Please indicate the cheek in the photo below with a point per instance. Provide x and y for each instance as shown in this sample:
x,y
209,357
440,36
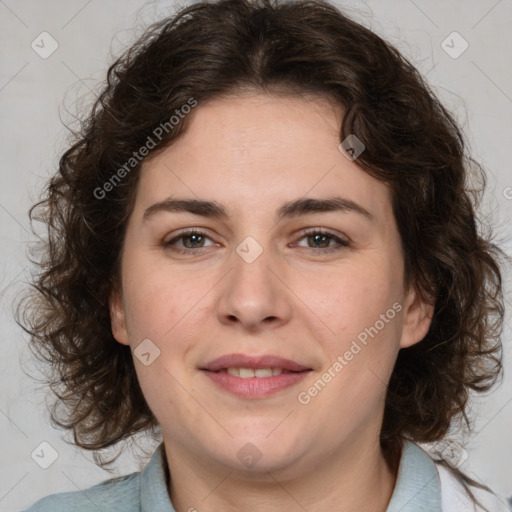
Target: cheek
x,y
352,302
158,299
162,310
361,308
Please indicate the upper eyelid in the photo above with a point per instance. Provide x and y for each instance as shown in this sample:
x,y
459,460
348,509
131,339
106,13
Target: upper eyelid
x,y
301,234
303,231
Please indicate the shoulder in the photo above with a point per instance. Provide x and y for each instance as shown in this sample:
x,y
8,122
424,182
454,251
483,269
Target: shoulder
x,y
115,495
455,497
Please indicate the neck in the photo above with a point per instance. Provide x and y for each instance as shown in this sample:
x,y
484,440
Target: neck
x,y
338,482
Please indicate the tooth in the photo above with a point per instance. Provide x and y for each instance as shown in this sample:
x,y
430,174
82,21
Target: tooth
x,y
263,372
246,373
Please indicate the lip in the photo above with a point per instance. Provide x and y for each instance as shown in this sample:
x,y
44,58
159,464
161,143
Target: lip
x,y
254,387
254,362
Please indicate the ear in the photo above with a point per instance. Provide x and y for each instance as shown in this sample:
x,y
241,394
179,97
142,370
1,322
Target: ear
x,y
117,317
417,319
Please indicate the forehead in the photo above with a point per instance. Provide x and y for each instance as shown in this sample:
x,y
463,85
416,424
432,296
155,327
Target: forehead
x,y
250,128
253,151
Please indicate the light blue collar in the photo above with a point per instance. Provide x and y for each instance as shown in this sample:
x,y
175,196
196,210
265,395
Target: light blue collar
x,y
153,487
417,488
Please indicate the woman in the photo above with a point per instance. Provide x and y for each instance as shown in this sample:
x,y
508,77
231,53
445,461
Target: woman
x,y
263,245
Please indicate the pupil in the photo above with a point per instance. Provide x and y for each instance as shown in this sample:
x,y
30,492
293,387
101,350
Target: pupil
x,y
318,238
194,238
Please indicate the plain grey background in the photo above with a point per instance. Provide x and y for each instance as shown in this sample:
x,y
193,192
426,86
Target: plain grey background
x,y
37,92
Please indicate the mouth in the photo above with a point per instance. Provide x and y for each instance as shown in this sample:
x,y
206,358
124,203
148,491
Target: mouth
x,y
254,377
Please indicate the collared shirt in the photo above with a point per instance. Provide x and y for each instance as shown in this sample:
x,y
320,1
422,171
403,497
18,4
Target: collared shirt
x,y
421,486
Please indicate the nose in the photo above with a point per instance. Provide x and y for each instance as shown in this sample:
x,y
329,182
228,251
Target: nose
x,y
254,295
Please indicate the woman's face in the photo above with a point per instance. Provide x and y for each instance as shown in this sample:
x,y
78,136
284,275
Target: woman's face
x,y
261,284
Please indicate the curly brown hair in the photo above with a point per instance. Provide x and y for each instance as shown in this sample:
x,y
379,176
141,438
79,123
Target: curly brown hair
x,y
413,144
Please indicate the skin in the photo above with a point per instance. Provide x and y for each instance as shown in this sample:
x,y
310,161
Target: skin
x,y
251,153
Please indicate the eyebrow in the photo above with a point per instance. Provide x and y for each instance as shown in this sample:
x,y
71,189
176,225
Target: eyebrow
x,y
296,208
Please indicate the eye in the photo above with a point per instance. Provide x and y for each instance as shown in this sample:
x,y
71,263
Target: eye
x,y
194,239
323,238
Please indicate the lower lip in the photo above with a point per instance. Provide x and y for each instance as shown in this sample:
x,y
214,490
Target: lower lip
x,y
255,387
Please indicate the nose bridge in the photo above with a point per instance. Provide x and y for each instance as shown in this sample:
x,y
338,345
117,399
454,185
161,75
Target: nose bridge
x,y
253,293
251,261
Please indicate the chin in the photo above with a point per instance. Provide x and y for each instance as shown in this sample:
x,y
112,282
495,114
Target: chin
x,y
262,452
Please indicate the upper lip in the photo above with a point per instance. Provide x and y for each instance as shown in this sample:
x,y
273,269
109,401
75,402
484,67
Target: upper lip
x,y
255,362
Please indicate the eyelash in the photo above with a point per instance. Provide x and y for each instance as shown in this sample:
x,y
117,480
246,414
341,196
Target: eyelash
x,y
310,232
